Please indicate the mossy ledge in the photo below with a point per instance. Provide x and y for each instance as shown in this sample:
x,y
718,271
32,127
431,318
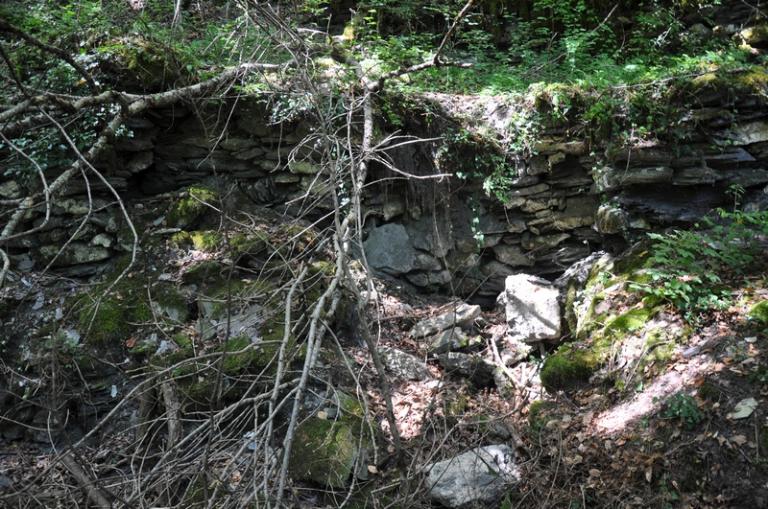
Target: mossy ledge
x,y
574,363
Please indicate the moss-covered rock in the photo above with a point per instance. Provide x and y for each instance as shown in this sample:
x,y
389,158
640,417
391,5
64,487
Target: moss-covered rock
x,y
202,240
759,313
253,243
324,452
213,301
141,64
254,359
112,318
169,304
113,311
598,331
755,36
631,321
568,367
189,209
206,240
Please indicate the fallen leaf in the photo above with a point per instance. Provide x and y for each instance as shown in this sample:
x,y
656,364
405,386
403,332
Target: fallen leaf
x,y
739,439
743,409
574,460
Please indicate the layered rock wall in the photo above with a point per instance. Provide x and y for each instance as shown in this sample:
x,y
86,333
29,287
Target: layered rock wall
x,y
573,194
568,197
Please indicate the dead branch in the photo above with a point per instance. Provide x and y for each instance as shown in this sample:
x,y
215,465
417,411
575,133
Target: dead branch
x,y
96,494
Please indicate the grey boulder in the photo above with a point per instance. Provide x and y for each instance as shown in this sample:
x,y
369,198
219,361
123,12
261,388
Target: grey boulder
x,y
403,366
388,248
479,476
532,307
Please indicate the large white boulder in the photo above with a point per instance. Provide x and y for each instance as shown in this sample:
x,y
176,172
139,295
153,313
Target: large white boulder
x,y
479,476
532,307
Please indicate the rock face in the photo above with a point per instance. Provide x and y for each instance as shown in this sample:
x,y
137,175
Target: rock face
x,y
389,249
532,307
479,476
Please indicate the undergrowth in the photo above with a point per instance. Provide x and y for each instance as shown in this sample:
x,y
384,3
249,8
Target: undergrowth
x,y
693,269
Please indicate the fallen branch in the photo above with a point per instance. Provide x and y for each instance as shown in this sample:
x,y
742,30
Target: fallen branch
x,y
97,496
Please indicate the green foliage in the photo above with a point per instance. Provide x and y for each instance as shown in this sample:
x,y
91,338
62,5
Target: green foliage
x,y
684,408
759,313
113,318
687,266
489,161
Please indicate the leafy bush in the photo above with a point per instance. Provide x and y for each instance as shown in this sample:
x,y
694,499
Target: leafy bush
x,y
683,407
687,267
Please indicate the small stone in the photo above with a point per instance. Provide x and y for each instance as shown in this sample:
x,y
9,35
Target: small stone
x,y
512,256
404,366
463,314
251,153
743,409
448,340
303,167
470,366
76,253
527,191
103,240
756,36
425,279
556,158
10,190
286,178
611,219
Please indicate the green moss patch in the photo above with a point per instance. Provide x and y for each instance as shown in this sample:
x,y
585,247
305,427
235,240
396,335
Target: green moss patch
x,y
190,209
629,322
568,367
202,240
257,357
110,320
759,312
215,298
128,305
324,452
249,244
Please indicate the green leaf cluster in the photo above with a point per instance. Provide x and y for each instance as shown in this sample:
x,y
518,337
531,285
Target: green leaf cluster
x,y
684,408
689,268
